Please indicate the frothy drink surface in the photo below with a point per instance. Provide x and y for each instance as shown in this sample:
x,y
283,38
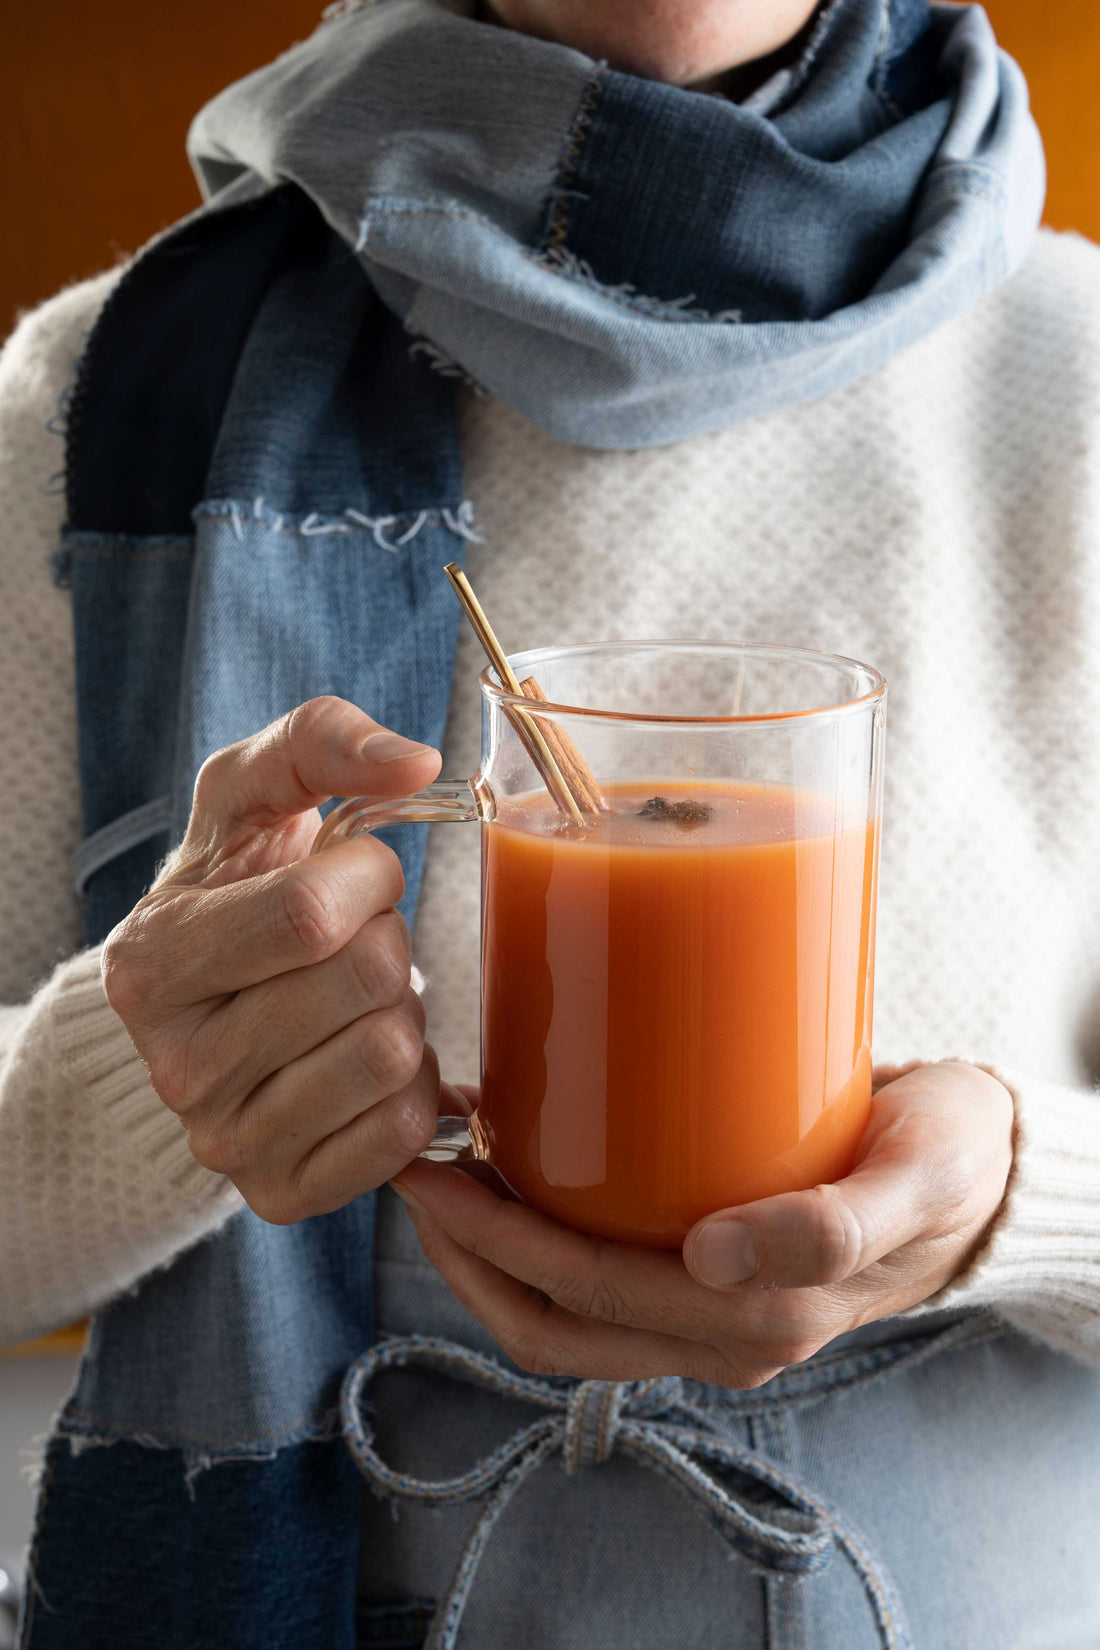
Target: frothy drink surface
x,y
676,1002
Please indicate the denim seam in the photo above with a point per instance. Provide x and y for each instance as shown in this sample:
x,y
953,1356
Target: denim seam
x,y
556,260
972,176
125,546
557,206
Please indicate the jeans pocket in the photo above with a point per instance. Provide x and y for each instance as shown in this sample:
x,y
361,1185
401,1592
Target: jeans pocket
x,y
400,1624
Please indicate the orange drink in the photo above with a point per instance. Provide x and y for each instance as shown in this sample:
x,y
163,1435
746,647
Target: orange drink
x,y
676,1016
680,847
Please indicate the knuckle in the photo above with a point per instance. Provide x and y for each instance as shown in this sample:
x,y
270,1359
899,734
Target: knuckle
x,y
392,1049
211,778
171,1084
782,1354
217,1148
304,722
537,1359
535,1354
588,1296
743,1377
835,1235
311,911
128,966
124,983
382,963
389,878
282,1206
414,1124
953,1175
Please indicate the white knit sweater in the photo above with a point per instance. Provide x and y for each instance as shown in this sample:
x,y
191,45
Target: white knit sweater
x,y
940,518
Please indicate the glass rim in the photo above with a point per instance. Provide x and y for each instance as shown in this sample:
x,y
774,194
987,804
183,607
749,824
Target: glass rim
x,y
526,661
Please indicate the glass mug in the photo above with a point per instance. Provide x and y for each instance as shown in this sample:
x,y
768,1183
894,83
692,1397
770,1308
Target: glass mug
x,y
675,997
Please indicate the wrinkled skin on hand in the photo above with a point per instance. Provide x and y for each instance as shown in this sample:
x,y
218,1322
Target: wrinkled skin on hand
x,y
930,1176
267,988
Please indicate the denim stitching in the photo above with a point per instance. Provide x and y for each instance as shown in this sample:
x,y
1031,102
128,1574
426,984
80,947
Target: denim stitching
x,y
318,524
315,1426
558,205
556,260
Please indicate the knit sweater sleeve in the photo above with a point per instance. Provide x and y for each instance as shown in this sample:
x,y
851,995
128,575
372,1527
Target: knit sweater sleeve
x,y
97,1185
1039,1267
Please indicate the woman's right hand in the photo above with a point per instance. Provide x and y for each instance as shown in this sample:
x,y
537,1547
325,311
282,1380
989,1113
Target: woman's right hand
x,y
267,988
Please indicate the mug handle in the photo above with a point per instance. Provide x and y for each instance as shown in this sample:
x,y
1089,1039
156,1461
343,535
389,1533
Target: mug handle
x,y
446,801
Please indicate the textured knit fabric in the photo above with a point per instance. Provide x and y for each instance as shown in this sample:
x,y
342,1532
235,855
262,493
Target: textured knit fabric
x,y
940,518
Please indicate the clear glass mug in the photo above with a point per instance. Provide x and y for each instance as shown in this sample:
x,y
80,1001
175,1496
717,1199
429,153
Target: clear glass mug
x,y
677,996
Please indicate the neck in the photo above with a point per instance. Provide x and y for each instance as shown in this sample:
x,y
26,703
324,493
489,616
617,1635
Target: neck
x,y
734,79
743,79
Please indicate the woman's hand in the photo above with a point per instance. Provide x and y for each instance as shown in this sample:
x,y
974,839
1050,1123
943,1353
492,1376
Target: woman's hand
x,y
758,1287
267,989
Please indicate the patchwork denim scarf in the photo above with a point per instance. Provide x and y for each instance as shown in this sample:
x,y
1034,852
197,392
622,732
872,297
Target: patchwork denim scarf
x,y
628,263
264,481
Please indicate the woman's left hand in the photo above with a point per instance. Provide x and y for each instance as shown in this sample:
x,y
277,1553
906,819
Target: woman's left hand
x,y
757,1288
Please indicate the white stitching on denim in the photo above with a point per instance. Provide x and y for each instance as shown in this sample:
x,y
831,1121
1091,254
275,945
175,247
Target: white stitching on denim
x,y
461,522
375,524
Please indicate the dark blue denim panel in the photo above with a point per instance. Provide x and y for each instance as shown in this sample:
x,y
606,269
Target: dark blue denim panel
x,y
151,389
909,70
263,1558
129,611
327,410
784,219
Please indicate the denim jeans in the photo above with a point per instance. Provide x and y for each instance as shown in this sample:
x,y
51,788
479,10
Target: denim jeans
x,y
970,1472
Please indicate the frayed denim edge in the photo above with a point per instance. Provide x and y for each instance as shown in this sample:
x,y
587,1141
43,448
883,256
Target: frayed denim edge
x,y
196,1457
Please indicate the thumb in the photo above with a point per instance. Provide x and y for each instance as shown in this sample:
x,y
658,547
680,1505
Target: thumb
x,y
802,1239
327,747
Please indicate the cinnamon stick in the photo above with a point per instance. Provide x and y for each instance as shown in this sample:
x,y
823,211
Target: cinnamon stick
x,y
574,769
529,728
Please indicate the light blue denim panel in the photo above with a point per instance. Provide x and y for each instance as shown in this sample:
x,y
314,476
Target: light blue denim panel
x,y
402,99
970,1473
284,608
260,1363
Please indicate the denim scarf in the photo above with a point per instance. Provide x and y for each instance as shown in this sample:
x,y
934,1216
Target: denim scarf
x,y
628,263
264,480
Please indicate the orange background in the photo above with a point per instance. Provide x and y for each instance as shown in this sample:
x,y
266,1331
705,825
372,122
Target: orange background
x,y
97,94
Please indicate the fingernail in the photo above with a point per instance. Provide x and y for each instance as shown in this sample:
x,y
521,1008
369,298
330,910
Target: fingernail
x,y
725,1253
391,747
